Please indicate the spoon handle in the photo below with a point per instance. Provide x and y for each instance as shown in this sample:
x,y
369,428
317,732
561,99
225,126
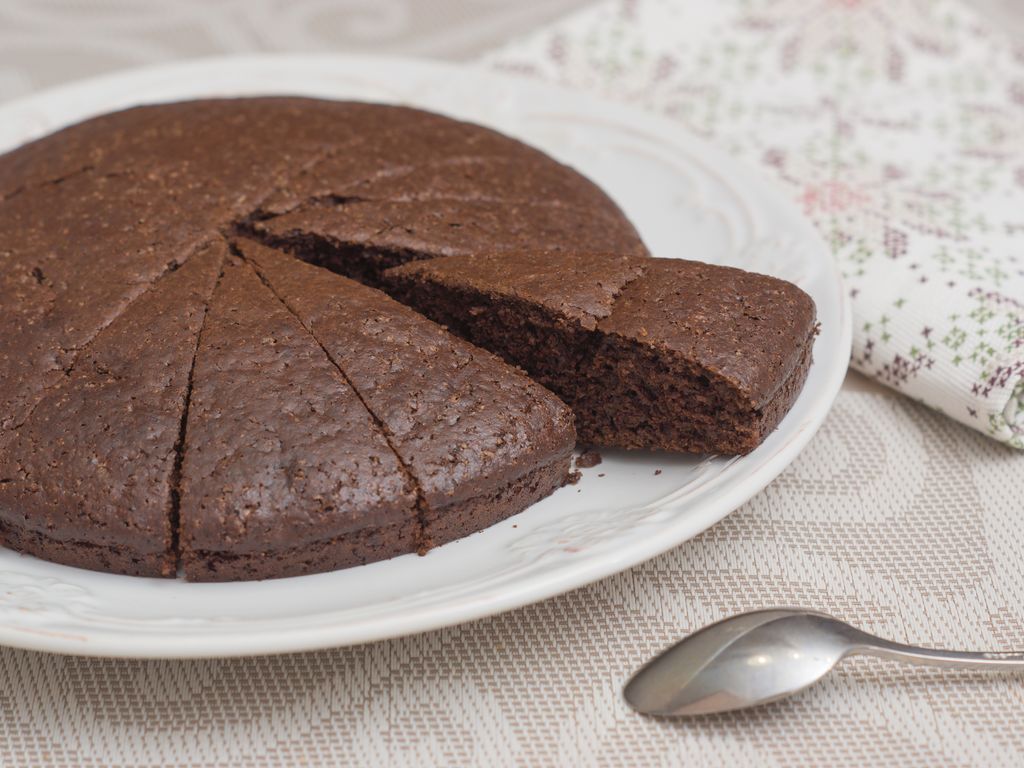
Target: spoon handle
x,y
1004,661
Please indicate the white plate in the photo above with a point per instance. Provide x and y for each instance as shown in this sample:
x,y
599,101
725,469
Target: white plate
x,y
686,198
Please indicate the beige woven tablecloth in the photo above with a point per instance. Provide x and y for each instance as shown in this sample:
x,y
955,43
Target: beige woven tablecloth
x,y
895,518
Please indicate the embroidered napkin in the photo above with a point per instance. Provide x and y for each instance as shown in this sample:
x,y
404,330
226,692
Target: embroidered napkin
x,y
896,125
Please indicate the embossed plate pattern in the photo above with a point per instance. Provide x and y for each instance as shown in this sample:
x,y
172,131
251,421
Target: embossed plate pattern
x,y
687,199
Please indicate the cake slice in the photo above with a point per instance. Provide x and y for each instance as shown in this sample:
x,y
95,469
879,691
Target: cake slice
x,y
285,471
89,478
649,353
481,439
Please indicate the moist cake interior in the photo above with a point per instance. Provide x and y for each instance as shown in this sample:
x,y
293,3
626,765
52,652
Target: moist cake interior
x,y
353,260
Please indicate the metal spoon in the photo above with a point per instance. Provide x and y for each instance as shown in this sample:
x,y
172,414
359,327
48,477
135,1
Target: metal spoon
x,y
762,656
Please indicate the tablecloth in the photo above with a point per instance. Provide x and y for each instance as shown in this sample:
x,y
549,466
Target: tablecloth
x,y
895,518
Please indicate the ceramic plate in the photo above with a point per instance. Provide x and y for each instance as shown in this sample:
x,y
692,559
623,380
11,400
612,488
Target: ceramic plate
x,y
687,199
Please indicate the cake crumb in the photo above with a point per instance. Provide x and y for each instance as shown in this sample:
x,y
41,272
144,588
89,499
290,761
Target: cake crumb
x,y
574,477
600,474
589,458
657,472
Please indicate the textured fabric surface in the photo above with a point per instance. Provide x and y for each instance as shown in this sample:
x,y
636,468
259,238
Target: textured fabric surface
x,y
894,518
897,127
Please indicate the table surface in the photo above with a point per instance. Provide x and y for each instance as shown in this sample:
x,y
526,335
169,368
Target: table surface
x,y
894,518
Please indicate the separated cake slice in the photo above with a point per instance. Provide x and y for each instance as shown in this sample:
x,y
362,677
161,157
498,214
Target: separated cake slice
x,y
650,353
481,439
285,472
89,477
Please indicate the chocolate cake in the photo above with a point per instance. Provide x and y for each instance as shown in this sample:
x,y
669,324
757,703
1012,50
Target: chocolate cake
x,y
649,353
186,384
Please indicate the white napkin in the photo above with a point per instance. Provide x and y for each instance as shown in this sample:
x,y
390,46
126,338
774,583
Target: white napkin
x,y
897,125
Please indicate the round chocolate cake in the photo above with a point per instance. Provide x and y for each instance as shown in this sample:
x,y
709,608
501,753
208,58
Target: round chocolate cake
x,y
178,387
198,370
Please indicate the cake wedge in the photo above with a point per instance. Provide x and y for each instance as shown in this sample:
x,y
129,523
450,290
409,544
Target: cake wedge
x,y
284,472
481,440
650,353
